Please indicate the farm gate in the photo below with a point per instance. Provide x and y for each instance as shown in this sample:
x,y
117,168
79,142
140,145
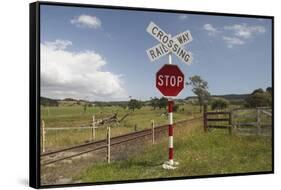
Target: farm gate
x,y
257,121
252,121
217,120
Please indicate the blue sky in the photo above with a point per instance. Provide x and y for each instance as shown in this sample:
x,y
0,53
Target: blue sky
x,y
99,54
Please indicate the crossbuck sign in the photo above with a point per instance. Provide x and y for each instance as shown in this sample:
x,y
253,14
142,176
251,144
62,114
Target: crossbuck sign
x,y
168,44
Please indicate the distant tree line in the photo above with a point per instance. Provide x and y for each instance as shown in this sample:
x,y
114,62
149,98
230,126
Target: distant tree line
x,y
117,103
135,104
161,103
48,102
258,98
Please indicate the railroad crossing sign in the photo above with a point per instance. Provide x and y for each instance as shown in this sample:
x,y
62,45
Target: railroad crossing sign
x,y
170,80
168,44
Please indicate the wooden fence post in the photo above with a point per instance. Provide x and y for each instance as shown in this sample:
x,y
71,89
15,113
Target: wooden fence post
x,y
153,137
48,110
205,117
43,136
94,129
258,121
108,144
230,122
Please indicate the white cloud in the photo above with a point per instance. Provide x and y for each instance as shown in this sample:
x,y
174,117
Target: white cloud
x,y
86,21
183,17
245,31
237,34
210,29
77,74
58,44
231,41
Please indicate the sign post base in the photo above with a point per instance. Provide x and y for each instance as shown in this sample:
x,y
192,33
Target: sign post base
x,y
170,165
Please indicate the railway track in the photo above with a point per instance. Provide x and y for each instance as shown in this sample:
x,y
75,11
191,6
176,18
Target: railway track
x,y
79,150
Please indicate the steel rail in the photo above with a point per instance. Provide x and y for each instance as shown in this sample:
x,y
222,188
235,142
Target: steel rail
x,y
97,148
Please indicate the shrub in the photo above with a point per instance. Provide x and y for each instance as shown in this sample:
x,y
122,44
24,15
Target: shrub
x,y
219,104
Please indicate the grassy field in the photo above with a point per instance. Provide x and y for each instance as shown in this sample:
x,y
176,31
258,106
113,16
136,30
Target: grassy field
x,y
197,152
74,116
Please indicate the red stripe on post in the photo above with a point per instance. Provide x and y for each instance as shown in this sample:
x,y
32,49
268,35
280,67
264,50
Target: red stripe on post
x,y
170,106
171,153
170,130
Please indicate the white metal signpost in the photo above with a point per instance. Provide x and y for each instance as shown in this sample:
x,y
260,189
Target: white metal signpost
x,y
169,45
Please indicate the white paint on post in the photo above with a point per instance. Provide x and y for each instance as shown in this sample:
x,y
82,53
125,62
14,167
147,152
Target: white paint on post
x,y
94,129
171,142
171,118
43,136
170,164
153,137
170,54
171,138
258,121
170,58
108,145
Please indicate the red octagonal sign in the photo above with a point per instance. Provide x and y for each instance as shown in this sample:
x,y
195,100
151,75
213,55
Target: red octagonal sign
x,y
170,80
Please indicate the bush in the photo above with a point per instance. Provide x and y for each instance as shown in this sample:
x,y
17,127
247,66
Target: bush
x,y
219,104
162,103
176,107
134,104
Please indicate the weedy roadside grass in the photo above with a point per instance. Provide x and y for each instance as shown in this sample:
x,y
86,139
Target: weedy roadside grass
x,y
198,153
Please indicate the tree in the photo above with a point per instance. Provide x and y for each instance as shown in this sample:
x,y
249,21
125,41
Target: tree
x,y
259,90
154,102
134,104
175,107
200,88
85,108
86,105
259,99
162,102
269,90
124,106
219,104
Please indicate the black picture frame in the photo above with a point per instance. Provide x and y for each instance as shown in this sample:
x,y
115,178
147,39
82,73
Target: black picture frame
x,y
34,91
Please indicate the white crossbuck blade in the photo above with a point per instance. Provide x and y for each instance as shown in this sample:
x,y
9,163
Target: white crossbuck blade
x,y
168,44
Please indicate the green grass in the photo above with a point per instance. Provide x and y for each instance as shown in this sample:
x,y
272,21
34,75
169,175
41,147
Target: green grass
x,y
198,154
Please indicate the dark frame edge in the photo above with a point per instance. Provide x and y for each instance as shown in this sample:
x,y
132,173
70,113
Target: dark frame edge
x,y
34,139
34,96
273,96
148,9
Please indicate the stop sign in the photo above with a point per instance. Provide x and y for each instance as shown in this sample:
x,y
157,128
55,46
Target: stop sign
x,y
170,80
